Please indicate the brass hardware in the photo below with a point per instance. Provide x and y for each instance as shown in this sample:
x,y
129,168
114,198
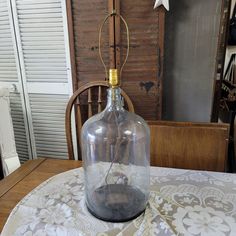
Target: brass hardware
x,y
113,78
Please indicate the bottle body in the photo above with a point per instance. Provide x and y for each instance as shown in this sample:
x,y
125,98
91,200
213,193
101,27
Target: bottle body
x,y
116,159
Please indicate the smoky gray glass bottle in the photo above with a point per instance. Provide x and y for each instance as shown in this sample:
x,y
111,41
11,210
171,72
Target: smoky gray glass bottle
x,y
116,161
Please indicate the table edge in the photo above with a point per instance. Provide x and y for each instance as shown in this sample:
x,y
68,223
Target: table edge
x,y
14,178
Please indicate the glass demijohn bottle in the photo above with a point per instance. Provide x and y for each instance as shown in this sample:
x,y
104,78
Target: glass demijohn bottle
x,y
116,159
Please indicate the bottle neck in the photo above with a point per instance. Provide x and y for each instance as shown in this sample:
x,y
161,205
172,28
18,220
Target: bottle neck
x,y
114,99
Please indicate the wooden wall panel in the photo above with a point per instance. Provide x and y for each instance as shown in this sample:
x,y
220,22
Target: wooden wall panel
x,y
87,16
142,75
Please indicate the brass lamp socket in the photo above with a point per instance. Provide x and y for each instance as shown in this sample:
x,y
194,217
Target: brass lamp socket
x,y
113,78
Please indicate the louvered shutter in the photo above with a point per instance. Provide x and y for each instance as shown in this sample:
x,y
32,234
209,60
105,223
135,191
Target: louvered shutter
x,y
10,77
41,31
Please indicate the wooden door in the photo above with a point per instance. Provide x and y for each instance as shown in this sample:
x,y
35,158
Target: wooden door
x,y
142,75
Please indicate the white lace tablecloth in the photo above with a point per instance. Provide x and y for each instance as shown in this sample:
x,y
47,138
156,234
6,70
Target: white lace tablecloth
x,y
182,202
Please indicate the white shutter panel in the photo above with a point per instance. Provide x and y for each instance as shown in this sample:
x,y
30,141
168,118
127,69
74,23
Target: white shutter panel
x,y
48,111
10,77
42,39
8,69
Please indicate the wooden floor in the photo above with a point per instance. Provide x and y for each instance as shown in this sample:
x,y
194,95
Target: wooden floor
x,y
17,185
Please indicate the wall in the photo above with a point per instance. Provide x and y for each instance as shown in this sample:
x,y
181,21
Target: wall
x,y
192,28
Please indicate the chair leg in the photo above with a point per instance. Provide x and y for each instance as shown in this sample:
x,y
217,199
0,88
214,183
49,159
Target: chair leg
x,y
231,149
1,170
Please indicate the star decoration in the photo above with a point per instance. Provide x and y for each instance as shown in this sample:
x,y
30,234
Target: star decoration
x,y
165,3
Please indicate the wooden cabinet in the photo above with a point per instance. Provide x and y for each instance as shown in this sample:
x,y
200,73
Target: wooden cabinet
x,y
142,75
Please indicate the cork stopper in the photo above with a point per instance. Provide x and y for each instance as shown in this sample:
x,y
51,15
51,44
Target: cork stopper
x,y
113,78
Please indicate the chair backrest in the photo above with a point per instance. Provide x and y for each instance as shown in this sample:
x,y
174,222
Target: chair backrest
x,y
198,146
9,157
93,98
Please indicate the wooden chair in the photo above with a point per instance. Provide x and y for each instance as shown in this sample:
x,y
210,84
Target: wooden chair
x,y
87,90
197,146
1,169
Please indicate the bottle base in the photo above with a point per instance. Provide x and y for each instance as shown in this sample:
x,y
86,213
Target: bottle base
x,y
114,220
116,203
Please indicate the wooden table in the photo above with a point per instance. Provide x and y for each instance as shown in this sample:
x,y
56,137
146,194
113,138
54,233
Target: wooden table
x,y
17,185
188,202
